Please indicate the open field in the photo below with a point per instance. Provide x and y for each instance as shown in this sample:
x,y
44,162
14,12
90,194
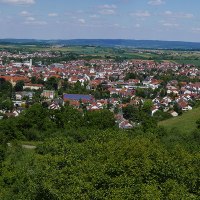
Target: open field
x,y
185,123
189,61
179,57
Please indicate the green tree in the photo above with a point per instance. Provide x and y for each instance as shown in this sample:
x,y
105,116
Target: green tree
x,y
130,76
19,86
148,123
178,109
52,83
198,123
6,104
101,119
33,79
132,113
148,104
160,115
5,88
35,122
163,93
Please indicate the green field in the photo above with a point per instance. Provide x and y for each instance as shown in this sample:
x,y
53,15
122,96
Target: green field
x,y
191,62
185,123
98,52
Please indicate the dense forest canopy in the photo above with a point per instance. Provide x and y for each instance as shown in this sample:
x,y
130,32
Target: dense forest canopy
x,y
79,158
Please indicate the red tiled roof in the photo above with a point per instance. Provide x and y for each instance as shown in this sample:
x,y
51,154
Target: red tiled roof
x,y
15,78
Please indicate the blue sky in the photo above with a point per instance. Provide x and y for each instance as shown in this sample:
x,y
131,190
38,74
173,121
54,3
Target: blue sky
x,y
116,19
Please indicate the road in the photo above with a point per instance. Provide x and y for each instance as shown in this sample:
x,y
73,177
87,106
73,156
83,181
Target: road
x,y
25,146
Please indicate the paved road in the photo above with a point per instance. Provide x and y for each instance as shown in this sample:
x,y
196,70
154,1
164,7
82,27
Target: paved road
x,y
25,146
28,146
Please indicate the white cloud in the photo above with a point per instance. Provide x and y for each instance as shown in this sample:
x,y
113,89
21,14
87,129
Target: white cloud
x,y
171,14
53,14
141,14
106,6
168,12
35,22
18,2
30,19
137,25
188,15
79,11
170,25
196,29
156,2
81,21
107,9
116,25
107,12
93,16
24,13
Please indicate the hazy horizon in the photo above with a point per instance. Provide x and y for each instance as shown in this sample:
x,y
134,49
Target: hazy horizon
x,y
60,39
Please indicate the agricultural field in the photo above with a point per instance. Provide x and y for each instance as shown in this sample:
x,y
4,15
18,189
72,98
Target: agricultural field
x,y
121,53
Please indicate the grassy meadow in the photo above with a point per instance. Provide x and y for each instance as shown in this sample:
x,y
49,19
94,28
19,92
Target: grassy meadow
x,y
184,123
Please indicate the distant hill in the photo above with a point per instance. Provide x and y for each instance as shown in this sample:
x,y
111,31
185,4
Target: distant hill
x,y
184,123
148,44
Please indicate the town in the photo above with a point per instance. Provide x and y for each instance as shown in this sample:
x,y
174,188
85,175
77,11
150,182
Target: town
x,y
99,100
168,88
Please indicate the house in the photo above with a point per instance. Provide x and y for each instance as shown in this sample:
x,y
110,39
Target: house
x,y
18,103
119,118
154,84
59,101
173,91
93,107
147,81
49,94
156,101
166,101
94,83
125,125
18,96
54,106
73,79
154,110
134,81
113,91
21,95
184,105
33,86
15,113
14,79
173,113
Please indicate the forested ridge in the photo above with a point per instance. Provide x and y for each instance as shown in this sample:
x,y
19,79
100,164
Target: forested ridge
x,y
83,155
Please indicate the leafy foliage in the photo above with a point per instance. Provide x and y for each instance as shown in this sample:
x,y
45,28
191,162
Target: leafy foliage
x,y
108,165
84,156
19,86
5,88
102,119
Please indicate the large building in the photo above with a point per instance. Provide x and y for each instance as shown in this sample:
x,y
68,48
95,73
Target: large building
x,y
78,97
